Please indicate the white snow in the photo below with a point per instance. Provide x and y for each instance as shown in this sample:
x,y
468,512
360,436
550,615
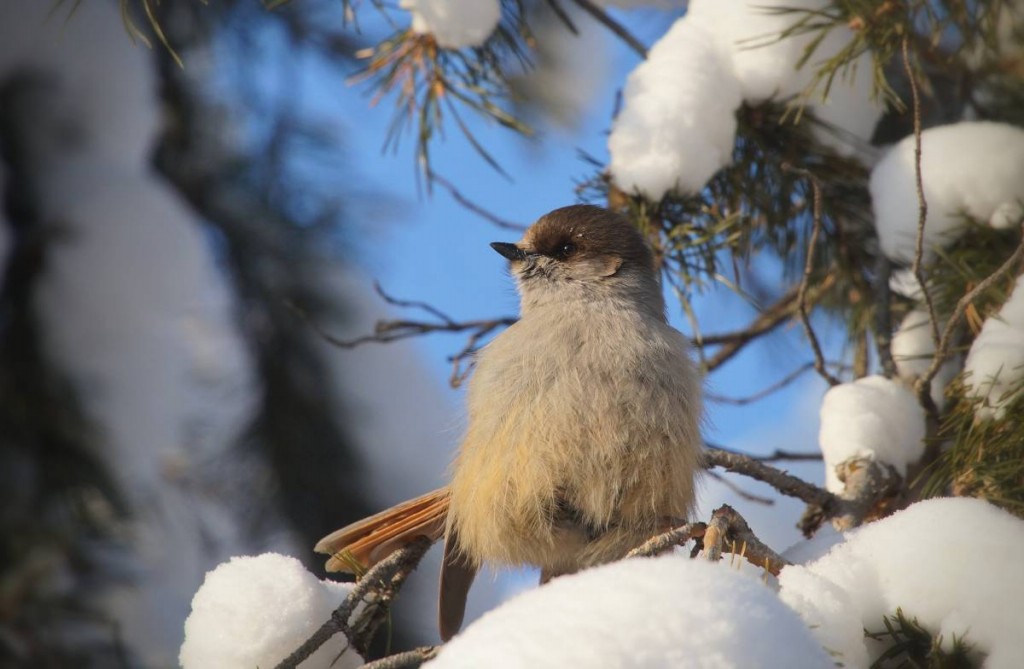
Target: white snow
x,y
995,363
255,611
677,125
913,349
953,564
974,169
455,23
873,418
748,32
669,611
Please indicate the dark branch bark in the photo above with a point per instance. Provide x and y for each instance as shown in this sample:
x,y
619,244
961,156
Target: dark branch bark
x,y
381,577
729,532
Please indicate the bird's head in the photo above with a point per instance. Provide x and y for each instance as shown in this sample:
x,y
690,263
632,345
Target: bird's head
x,y
579,250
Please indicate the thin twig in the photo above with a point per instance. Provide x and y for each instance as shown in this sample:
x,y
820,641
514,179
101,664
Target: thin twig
x,y
922,204
403,560
602,17
677,536
749,496
923,385
801,299
765,322
479,210
563,16
410,659
765,392
778,455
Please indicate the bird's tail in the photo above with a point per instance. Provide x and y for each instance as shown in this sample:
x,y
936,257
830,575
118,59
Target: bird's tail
x,y
364,543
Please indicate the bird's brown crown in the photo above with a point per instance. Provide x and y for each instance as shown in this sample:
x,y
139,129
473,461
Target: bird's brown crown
x,y
584,231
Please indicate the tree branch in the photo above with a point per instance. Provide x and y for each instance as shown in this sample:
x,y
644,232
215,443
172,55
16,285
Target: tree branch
x,y
677,536
923,385
620,31
868,483
785,483
801,297
381,577
729,532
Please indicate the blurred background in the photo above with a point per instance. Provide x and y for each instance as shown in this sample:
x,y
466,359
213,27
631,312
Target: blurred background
x,y
176,240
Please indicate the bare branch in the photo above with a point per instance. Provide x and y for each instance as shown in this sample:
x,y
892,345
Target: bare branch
x,y
729,532
677,536
382,576
868,484
785,483
761,394
765,322
749,496
922,204
620,31
479,210
801,299
923,385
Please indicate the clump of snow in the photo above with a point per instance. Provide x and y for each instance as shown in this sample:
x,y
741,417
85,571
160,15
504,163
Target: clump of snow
x,y
913,348
255,611
677,125
972,168
748,32
664,612
873,418
969,587
455,23
995,363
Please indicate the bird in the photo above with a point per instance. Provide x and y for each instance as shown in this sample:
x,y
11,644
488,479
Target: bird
x,y
583,433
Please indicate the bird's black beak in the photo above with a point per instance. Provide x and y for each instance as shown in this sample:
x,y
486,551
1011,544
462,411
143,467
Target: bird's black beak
x,y
510,251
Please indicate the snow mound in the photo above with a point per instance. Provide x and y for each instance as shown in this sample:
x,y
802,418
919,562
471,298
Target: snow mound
x,y
995,363
969,587
971,168
874,418
663,612
255,611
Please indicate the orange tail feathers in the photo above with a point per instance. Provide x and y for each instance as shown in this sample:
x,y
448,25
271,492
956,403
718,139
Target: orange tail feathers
x,y
366,542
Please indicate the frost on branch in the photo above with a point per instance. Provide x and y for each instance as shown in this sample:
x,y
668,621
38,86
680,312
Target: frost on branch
x,y
652,612
995,363
951,564
873,418
254,611
967,169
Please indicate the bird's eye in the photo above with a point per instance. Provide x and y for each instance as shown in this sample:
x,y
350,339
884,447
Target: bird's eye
x,y
566,250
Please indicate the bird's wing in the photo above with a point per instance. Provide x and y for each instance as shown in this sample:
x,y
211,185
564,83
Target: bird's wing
x,y
364,543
